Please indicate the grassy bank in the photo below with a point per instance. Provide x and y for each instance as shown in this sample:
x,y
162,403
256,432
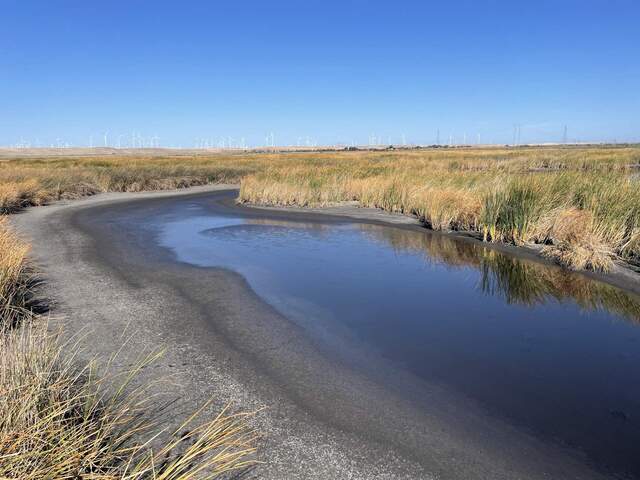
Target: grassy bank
x,y
63,419
25,182
581,204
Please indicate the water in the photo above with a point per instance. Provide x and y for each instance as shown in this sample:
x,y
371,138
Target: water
x,y
553,353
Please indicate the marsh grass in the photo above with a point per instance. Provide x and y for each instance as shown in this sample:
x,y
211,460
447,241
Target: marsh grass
x,y
16,278
62,421
28,182
513,196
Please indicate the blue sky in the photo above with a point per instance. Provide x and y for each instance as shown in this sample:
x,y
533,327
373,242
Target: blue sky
x,y
332,71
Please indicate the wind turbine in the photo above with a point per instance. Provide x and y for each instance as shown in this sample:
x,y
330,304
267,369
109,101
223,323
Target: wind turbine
x,y
106,135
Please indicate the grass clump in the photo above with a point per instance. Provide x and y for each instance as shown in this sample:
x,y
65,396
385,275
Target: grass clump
x,y
64,422
16,281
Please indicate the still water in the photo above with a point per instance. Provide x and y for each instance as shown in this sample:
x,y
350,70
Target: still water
x,y
553,353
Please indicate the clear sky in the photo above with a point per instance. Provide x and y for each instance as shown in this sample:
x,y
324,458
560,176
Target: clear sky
x,y
333,71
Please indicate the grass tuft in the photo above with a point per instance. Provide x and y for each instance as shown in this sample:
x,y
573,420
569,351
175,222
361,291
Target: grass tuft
x,y
60,421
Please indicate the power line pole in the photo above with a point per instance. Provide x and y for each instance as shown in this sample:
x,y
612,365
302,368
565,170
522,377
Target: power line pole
x,y
517,131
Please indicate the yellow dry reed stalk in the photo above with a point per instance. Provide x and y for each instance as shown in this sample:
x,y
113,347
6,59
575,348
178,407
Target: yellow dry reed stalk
x,y
59,420
14,277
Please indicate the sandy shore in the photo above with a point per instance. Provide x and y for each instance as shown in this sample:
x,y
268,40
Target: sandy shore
x,y
322,420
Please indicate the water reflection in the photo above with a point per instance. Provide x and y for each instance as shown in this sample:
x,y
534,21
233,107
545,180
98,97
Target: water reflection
x,y
516,281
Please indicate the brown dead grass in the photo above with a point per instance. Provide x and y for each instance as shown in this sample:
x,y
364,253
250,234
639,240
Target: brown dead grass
x,y
65,421
15,277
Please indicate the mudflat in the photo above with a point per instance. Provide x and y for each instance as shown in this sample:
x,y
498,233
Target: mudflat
x,y
318,418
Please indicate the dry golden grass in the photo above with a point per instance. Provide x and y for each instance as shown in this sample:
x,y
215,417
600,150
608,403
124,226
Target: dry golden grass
x,y
518,196
26,182
65,422
15,279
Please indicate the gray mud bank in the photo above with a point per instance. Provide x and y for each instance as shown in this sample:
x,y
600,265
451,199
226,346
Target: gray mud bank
x,y
320,419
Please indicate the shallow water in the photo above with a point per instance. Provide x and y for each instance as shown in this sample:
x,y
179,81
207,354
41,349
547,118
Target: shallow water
x,y
553,353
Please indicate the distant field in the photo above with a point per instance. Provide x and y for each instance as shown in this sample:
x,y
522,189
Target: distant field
x,y
581,203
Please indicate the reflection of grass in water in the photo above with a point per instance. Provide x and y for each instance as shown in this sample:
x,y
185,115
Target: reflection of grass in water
x,y
517,281
514,280
528,283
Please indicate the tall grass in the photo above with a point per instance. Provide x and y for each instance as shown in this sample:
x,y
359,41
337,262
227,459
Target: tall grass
x,y
65,422
16,281
582,205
